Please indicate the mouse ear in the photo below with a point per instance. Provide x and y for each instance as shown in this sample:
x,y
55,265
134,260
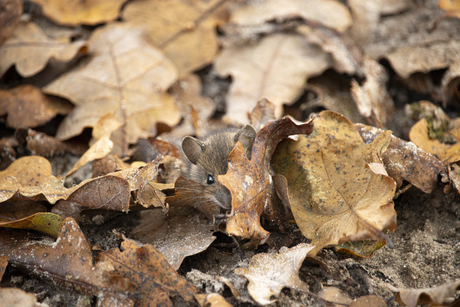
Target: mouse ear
x,y
246,136
192,148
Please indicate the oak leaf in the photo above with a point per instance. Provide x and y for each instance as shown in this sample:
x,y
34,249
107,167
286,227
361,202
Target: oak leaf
x,y
122,77
29,39
265,70
3,265
9,18
334,196
74,13
250,183
429,296
268,274
184,30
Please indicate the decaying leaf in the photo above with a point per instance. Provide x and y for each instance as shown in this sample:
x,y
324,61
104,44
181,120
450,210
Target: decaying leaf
x,y
331,14
363,249
29,39
372,98
430,296
268,274
265,70
328,207
124,77
262,113
3,265
211,300
68,261
44,145
189,236
73,13
31,177
14,297
250,183
46,222
151,276
334,295
183,30
405,161
367,301
9,18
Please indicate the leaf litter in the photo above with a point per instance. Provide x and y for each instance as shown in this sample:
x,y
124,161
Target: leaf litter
x,y
352,39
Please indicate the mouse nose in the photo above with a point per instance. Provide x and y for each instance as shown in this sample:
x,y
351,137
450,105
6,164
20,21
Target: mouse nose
x,y
225,198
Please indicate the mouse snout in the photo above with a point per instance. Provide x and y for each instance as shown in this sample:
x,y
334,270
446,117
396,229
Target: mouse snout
x,y
224,197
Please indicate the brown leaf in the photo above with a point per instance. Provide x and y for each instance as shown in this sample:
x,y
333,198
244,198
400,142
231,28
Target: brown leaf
x,y
372,98
123,78
367,301
431,296
68,261
452,7
151,276
405,161
334,295
331,14
14,297
262,113
265,70
44,145
3,265
362,249
268,274
27,107
445,152
327,206
249,181
9,18
189,236
73,13
31,177
211,300
30,39
183,30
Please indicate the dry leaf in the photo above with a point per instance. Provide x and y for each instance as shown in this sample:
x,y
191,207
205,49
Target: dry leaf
x,y
46,222
124,77
38,143
405,161
74,13
184,30
372,98
265,70
30,39
27,107
250,183
328,207
331,14
3,265
211,300
453,171
14,297
9,18
68,261
362,249
452,7
445,152
430,296
268,274
31,177
367,301
262,113
334,295
151,276
189,235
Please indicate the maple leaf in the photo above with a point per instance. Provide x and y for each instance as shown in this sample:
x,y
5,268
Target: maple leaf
x,y
334,196
250,183
125,79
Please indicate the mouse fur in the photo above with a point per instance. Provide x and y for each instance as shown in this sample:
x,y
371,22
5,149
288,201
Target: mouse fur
x,y
207,158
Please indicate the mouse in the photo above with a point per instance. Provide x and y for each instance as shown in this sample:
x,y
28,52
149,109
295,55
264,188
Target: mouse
x,y
207,158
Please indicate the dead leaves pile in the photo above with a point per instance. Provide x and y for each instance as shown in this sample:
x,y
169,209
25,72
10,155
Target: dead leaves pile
x,y
136,76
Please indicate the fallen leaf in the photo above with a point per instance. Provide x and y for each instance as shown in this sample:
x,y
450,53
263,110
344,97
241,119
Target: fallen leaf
x,y
262,113
211,300
3,265
27,107
31,177
122,76
98,150
9,18
265,70
362,249
453,171
184,30
405,161
372,98
67,261
327,206
249,181
445,152
151,275
14,297
430,296
39,143
189,236
7,152
74,13
451,7
331,14
368,300
29,39
268,274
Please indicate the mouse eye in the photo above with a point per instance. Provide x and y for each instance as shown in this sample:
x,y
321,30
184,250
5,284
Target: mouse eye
x,y
210,179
